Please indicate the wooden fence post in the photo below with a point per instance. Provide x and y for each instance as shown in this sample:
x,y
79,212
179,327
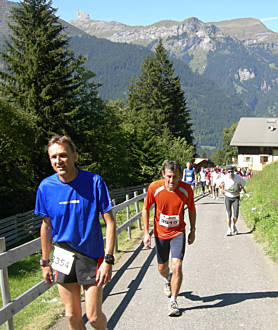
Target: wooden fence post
x,y
127,217
4,283
116,248
137,210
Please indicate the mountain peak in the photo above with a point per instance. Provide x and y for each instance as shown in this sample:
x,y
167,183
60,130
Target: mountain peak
x,y
82,15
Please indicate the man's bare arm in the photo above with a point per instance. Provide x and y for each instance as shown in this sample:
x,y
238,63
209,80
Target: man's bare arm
x,y
192,220
146,223
46,238
104,273
46,244
110,232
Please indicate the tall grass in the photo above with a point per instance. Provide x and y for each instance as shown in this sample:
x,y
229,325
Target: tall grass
x,y
259,208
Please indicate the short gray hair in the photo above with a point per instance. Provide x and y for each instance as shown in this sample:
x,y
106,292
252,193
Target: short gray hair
x,y
61,139
172,165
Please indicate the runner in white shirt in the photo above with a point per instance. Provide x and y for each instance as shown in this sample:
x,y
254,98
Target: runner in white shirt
x,y
202,179
231,184
215,189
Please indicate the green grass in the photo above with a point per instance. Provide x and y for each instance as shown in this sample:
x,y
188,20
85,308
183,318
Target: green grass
x,y
22,276
260,210
44,311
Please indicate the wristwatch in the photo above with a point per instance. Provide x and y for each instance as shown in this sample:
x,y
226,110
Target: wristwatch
x,y
109,259
44,262
192,229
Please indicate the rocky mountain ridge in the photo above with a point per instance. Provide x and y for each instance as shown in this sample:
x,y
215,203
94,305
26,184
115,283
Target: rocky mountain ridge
x,y
249,30
240,55
194,41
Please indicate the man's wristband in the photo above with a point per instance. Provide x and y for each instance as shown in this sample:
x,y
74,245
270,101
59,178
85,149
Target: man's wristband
x,y
44,262
192,230
109,259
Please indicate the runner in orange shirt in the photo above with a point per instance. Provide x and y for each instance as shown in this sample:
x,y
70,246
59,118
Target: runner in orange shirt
x,y
170,196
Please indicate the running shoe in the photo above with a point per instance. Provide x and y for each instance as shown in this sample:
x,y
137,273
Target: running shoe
x,y
229,232
167,286
174,309
235,231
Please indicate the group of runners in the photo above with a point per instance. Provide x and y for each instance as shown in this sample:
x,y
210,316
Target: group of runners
x,y
70,202
209,178
171,196
229,181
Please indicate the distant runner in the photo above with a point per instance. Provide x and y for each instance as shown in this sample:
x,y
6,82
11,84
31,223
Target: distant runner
x,y
170,195
231,184
189,175
202,179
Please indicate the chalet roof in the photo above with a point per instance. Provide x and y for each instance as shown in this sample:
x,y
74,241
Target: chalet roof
x,y
199,160
256,132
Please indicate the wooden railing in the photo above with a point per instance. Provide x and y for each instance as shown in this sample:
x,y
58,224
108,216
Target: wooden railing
x,y
14,255
23,226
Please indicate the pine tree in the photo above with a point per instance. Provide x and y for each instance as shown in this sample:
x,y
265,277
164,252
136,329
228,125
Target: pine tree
x,y
16,175
43,78
156,111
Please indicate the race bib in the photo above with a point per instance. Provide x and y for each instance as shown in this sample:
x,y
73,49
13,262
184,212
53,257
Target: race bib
x,y
169,220
62,260
189,178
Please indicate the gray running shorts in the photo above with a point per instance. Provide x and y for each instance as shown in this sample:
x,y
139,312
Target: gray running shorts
x,y
176,245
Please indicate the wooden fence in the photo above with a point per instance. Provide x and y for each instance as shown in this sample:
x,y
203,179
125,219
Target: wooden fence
x,y
26,225
14,255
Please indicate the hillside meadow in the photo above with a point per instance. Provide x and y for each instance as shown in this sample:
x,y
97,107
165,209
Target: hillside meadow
x,y
259,208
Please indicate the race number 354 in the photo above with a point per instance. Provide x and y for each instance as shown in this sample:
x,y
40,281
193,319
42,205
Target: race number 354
x,y
62,260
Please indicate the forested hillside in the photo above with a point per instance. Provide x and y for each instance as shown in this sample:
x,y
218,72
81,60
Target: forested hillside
x,y
204,97
117,64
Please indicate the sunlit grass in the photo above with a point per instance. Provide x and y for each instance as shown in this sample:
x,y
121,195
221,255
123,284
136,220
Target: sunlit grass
x,y
259,208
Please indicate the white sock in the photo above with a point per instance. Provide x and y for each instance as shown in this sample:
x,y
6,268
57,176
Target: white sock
x,y
169,277
173,298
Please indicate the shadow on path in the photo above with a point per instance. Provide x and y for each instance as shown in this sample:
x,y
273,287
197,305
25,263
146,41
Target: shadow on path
x,y
132,288
226,299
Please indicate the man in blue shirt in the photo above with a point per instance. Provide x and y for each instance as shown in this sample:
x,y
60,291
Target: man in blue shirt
x,y
70,202
189,175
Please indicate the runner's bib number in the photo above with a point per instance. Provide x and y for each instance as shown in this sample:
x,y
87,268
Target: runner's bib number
x,y
189,178
62,260
169,220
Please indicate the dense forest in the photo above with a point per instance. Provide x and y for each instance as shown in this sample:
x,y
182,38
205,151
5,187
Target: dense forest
x,y
46,89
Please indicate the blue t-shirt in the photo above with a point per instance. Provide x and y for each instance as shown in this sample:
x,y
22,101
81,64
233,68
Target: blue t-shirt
x,y
189,176
74,209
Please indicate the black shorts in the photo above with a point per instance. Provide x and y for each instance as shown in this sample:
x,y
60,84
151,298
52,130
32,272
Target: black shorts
x,y
83,271
176,245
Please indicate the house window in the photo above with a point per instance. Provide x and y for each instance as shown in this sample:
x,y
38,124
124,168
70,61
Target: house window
x,y
275,152
264,159
248,159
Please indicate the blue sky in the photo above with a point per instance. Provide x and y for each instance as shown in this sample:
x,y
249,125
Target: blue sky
x,y
145,12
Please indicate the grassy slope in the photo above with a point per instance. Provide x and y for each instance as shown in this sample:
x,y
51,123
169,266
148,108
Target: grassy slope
x,y
260,210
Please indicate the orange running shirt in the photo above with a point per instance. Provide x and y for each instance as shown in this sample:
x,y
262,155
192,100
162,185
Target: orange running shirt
x,y
169,208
